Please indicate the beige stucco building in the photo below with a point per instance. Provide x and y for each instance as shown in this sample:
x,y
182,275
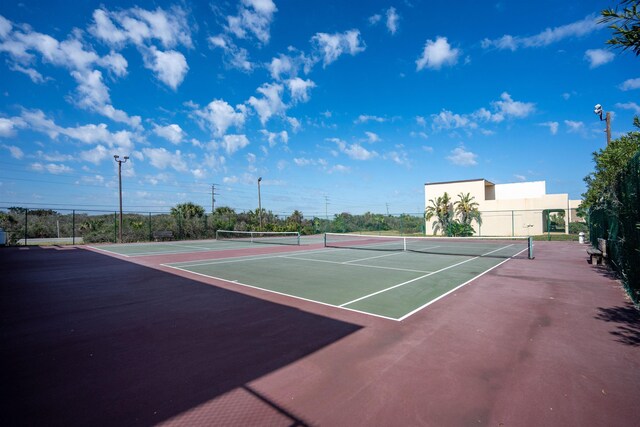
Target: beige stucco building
x,y
516,209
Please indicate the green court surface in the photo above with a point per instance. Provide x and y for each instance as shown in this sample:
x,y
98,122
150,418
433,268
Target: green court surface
x,y
392,285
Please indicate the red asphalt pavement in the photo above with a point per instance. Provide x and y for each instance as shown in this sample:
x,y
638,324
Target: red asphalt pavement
x,y
91,339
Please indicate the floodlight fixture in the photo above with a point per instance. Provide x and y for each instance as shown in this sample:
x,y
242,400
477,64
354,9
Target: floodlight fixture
x,y
597,110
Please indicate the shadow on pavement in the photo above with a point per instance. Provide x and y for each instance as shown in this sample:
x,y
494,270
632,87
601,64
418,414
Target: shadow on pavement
x,y
626,320
88,339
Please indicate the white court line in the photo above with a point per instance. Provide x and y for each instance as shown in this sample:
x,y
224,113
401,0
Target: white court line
x,y
372,257
421,277
108,251
242,258
235,282
354,265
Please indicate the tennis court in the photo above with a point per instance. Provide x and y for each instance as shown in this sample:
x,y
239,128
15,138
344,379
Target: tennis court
x,y
381,276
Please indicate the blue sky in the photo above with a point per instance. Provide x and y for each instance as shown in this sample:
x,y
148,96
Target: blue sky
x,y
343,106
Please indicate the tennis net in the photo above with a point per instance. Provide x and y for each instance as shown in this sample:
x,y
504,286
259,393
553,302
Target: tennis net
x,y
498,247
269,237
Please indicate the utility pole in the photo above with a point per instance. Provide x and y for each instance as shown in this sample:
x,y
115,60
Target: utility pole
x,y
387,208
326,212
120,162
213,197
259,205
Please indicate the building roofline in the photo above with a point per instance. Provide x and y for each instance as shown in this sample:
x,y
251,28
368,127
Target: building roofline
x,y
462,180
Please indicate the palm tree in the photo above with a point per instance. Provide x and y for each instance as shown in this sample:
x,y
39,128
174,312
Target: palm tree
x,y
187,210
467,209
440,208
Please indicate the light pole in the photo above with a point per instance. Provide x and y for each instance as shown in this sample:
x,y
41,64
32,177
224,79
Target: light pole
x,y
607,118
259,205
120,162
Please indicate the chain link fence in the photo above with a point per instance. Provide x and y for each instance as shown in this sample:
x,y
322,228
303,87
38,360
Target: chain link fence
x,y
617,219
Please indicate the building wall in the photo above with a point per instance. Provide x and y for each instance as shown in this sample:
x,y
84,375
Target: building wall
x,y
516,209
520,190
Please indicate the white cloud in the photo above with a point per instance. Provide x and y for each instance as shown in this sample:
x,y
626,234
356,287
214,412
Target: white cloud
x,y
270,104
299,88
399,157
294,123
520,177
95,155
629,106
15,152
33,74
199,173
354,151
219,116
392,20
363,118
553,127
172,133
281,65
598,57
503,109
372,137
88,134
230,179
8,126
436,54
170,67
546,37
233,143
509,107
139,26
272,137
301,161
459,156
332,46
5,27
487,116
162,159
574,127
52,168
448,120
254,16
339,168
374,19
421,121
630,84
234,56
92,94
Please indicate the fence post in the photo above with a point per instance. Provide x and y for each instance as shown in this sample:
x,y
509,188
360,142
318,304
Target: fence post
x,y
513,231
26,227
73,227
115,227
150,232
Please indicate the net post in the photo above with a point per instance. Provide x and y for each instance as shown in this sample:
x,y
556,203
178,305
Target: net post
x,y
404,244
298,238
325,240
530,247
